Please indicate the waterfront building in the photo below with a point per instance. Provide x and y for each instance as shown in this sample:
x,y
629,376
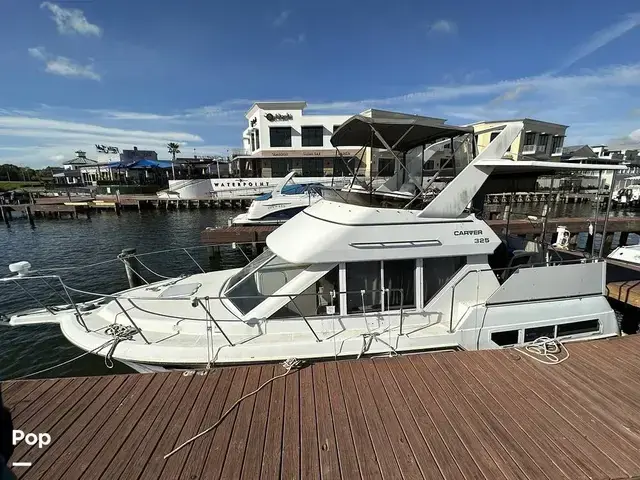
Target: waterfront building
x,y
281,138
538,140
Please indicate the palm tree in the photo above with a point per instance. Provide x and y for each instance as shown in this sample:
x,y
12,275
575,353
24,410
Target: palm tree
x,y
173,149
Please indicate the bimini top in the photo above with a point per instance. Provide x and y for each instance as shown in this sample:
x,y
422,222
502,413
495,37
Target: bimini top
x,y
403,131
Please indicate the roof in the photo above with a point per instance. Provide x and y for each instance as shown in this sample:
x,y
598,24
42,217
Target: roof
x,y
81,161
401,131
140,164
541,168
284,105
570,150
526,119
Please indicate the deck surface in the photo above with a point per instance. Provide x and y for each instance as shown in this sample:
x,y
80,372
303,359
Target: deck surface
x,y
458,415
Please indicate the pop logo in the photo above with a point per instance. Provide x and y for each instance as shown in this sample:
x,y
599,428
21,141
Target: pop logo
x,y
31,439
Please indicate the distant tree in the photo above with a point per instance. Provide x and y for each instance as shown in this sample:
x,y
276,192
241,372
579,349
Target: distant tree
x,y
173,149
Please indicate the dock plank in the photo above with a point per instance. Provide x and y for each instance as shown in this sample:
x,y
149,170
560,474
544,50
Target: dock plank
x,y
457,415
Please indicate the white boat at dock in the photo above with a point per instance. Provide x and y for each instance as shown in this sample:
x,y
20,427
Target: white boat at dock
x,y
344,280
288,198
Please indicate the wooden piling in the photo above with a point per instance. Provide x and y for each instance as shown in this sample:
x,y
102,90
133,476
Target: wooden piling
x,y
30,216
131,266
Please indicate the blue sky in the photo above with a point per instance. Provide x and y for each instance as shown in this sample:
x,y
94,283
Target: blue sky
x,y
145,72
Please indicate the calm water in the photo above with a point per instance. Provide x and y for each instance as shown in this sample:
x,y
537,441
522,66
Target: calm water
x,y
77,242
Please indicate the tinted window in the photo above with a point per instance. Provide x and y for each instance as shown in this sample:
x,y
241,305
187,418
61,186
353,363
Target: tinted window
x,y
509,337
315,300
280,136
363,276
575,328
531,334
400,275
312,136
493,136
437,272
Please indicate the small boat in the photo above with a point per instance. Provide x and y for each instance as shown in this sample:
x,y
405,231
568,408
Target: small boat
x,y
627,253
286,200
343,280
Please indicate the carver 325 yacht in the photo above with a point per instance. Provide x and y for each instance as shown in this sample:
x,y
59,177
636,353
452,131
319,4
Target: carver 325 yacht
x,y
348,280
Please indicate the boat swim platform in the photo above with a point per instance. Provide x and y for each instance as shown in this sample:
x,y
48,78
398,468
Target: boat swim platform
x,y
451,415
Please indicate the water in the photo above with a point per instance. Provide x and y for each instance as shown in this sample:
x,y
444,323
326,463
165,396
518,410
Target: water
x,y
78,242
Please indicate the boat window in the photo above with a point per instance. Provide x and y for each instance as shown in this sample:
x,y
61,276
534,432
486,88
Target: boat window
x,y
315,300
509,337
575,328
262,279
400,279
436,273
363,276
531,334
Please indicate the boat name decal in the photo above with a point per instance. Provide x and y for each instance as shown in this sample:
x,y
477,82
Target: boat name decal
x,y
459,233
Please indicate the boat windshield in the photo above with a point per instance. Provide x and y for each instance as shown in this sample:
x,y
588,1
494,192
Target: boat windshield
x,y
262,277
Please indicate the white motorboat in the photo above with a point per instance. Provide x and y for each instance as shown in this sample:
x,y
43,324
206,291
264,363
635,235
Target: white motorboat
x,y
287,199
626,253
343,280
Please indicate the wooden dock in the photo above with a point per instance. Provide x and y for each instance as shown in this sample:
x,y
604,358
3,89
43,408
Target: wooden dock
x,y
247,234
491,414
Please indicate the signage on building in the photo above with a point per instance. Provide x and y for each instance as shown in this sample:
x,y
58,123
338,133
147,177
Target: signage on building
x,y
309,153
278,117
254,120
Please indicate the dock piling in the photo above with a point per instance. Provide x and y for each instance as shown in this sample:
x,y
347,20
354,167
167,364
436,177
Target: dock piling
x,y
30,216
131,266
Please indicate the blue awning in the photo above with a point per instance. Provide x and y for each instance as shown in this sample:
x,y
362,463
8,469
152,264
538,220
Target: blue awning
x,y
148,163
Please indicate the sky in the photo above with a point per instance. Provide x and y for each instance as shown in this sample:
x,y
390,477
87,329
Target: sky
x,y
146,72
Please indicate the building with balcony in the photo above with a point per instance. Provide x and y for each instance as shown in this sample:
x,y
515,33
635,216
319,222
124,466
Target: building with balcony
x,y
538,140
280,138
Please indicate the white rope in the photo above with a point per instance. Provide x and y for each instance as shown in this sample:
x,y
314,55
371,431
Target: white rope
x,y
545,350
288,365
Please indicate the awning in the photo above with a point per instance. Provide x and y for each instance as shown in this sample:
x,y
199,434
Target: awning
x,y
147,163
403,132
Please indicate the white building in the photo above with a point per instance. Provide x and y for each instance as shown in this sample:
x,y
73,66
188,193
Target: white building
x,y
280,138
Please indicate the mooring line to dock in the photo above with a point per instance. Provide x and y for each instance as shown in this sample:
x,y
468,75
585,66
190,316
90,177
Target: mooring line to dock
x,y
289,365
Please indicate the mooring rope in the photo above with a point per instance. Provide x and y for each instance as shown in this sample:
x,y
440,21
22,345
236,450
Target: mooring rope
x,y
288,365
545,350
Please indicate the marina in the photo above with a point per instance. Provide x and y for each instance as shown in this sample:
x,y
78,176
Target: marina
x,y
488,414
387,285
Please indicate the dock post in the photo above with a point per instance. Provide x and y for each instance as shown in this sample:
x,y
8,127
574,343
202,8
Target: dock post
x,y
30,216
5,217
131,267
117,208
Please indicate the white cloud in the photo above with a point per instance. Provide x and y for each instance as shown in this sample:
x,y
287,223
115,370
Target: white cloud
x,y
57,158
46,128
281,18
443,26
63,66
300,38
613,76
71,20
600,39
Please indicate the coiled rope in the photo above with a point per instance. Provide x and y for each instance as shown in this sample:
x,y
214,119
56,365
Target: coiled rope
x,y
288,365
545,350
